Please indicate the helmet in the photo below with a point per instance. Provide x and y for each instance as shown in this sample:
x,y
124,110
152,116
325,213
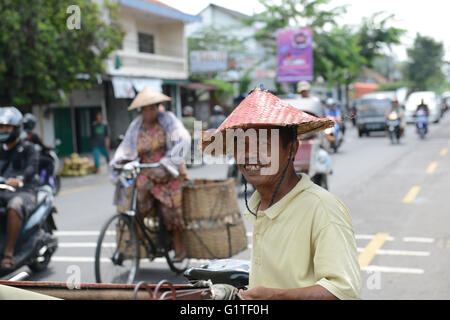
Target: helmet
x,y
29,122
330,102
13,117
218,109
188,110
303,86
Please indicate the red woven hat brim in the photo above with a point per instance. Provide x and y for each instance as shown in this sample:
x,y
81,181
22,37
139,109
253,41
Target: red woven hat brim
x,y
263,109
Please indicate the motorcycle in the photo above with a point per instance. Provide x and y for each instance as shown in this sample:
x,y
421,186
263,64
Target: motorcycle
x,y
35,244
393,127
314,161
334,137
421,123
51,178
221,271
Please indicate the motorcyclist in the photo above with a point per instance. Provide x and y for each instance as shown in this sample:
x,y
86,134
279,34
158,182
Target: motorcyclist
x,y
423,107
304,88
45,161
217,118
19,166
396,108
332,111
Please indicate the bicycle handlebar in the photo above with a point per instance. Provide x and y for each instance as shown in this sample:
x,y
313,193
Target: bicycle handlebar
x,y
135,164
7,187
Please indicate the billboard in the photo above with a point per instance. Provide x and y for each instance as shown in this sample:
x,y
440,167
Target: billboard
x,y
295,55
208,61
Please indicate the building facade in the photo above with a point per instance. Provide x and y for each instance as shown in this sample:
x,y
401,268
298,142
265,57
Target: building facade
x,y
254,59
153,53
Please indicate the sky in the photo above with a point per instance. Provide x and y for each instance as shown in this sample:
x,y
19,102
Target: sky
x,y
430,17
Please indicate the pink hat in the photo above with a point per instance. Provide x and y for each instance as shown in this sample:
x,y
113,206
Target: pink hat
x,y
261,108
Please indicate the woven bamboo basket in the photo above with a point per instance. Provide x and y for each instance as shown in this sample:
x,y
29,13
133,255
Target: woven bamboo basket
x,y
126,206
219,241
213,223
214,226
209,199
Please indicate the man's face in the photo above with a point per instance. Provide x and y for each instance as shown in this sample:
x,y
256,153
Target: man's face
x,y
6,128
304,93
150,113
99,117
263,160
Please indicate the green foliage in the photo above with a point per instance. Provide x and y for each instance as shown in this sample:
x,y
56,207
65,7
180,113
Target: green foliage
x,y
213,38
336,53
375,35
426,61
224,88
245,82
288,13
40,57
392,86
337,56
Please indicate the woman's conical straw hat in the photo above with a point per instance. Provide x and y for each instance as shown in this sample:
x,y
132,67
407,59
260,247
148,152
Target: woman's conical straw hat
x,y
147,97
263,109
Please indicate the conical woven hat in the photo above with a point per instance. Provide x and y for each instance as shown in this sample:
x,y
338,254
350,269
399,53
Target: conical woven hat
x,y
263,109
146,97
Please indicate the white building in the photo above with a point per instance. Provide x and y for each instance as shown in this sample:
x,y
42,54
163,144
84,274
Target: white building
x,y
153,53
233,22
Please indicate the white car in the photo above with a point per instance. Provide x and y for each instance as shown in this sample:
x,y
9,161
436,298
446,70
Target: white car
x,y
430,99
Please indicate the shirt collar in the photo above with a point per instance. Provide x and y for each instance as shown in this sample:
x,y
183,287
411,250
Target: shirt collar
x,y
278,207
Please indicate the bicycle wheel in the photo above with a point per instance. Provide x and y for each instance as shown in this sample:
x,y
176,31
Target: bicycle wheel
x,y
165,238
117,252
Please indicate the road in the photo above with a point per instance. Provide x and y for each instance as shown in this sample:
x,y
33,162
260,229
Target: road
x,y
398,196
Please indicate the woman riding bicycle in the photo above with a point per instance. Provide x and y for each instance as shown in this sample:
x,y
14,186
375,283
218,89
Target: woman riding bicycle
x,y
157,136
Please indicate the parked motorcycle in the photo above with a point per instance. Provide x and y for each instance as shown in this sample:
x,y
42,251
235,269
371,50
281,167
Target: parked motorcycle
x,y
393,127
35,244
421,123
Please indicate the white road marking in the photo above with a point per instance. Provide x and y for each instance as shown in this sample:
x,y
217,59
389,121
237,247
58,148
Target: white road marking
x,y
372,268
370,237
85,244
81,233
105,260
385,252
418,239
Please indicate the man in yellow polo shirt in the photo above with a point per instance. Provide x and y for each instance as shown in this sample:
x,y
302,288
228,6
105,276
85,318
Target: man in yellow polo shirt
x,y
303,239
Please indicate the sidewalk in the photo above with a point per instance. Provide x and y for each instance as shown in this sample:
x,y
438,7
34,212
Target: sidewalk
x,y
87,180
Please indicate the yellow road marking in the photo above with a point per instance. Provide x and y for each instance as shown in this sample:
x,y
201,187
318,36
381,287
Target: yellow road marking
x,y
432,167
73,190
370,250
444,152
412,194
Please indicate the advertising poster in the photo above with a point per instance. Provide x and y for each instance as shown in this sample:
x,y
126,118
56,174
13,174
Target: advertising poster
x,y
295,55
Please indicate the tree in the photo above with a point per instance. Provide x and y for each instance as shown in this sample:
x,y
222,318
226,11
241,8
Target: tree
x,y
375,35
425,63
211,38
296,13
42,57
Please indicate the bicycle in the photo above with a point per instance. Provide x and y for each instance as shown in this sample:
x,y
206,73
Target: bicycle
x,y
119,245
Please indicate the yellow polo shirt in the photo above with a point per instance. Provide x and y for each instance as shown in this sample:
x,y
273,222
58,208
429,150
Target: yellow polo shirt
x,y
304,239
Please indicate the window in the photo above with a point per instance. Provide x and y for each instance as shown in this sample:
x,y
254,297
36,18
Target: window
x,y
146,43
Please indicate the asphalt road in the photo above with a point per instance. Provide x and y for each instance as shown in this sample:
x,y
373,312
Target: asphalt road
x,y
398,196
